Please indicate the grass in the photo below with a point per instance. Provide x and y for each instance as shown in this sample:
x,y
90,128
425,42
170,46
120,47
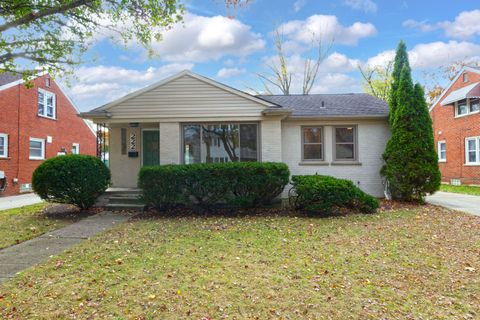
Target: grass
x,y
409,263
461,189
21,224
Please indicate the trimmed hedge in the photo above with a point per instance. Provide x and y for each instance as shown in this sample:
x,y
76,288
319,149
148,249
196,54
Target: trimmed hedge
x,y
236,184
325,194
73,179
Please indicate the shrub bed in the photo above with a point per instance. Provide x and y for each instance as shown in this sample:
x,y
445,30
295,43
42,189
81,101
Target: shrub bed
x,y
73,179
236,184
325,195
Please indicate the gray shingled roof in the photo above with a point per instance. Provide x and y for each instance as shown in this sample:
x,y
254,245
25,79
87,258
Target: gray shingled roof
x,y
342,105
7,77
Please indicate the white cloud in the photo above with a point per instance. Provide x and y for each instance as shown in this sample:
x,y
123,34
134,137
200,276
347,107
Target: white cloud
x,y
299,4
338,62
366,6
465,26
230,72
97,85
336,83
328,28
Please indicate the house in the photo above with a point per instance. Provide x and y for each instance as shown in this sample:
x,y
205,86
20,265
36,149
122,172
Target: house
x,y
456,125
36,123
189,118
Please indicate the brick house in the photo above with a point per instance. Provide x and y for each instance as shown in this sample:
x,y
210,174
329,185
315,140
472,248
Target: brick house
x,y
456,124
35,124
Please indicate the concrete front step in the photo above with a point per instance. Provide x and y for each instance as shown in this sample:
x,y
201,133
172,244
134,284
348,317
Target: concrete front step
x,y
125,206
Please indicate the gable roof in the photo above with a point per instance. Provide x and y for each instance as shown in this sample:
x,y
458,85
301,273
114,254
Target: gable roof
x,y
7,77
331,105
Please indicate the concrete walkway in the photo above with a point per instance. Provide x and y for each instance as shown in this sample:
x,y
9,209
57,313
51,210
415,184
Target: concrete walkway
x,y
18,201
462,202
26,254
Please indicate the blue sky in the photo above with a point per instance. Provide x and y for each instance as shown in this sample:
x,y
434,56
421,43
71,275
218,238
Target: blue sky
x,y
231,51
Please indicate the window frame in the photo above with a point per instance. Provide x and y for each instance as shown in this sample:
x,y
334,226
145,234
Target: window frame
x,y
46,94
439,151
468,104
42,141
465,77
182,136
355,143
5,146
477,151
77,146
321,143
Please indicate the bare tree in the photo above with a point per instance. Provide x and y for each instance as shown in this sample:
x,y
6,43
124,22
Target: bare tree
x,y
377,80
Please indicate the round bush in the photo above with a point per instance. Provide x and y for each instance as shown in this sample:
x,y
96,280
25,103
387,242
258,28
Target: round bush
x,y
73,179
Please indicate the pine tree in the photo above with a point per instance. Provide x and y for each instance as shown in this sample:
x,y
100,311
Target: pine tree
x,y
411,163
401,60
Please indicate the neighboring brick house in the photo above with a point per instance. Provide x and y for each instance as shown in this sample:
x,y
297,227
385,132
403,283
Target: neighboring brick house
x,y
36,123
456,125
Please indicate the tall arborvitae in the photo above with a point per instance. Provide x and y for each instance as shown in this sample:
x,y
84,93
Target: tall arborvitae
x,y
411,162
401,59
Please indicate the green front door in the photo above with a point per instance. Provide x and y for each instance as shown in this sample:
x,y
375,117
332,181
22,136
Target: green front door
x,y
151,147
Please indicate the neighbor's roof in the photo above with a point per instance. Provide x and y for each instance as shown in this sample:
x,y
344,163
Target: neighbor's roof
x,y
470,91
330,105
7,77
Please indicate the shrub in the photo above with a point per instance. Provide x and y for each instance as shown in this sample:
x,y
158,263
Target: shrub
x,y
72,179
236,184
325,194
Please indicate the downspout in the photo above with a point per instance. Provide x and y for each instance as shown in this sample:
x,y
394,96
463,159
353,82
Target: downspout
x,y
18,134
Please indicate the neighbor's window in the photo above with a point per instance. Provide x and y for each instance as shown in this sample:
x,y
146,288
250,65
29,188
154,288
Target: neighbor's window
x,y
312,143
442,151
3,145
345,138
75,148
465,77
474,105
37,149
462,107
46,104
229,142
472,150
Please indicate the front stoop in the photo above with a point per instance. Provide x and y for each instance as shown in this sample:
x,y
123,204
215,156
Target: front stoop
x,y
125,199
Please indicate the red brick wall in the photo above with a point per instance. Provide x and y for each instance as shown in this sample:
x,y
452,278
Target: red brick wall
x,y
454,131
19,119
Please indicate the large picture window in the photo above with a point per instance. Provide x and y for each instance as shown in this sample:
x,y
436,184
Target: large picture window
x,y
226,142
345,143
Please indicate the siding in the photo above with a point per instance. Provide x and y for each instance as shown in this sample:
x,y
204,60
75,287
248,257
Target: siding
x,y
372,138
124,169
186,97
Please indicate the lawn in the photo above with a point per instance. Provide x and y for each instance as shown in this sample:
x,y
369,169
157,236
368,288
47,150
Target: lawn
x,y
408,263
461,189
20,224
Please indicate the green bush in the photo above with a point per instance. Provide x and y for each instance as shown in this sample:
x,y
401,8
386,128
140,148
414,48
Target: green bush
x,y
236,184
325,194
72,179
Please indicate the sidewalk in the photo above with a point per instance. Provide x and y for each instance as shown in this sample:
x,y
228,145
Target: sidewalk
x,y
18,201
29,253
456,201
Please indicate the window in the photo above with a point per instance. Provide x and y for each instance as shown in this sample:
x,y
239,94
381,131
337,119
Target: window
x,y
3,145
442,151
462,108
465,77
472,150
312,140
46,104
344,143
467,106
37,149
75,148
474,105
229,142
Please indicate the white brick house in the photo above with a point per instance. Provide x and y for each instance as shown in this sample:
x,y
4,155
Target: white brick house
x,y
188,118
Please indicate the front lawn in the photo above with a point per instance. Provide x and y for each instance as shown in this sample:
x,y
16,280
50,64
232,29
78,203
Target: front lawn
x,y
409,263
20,224
461,189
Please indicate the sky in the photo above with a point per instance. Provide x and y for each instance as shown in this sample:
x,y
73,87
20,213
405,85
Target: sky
x,y
233,51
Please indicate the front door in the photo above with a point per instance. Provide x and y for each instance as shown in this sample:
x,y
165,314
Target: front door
x,y
151,147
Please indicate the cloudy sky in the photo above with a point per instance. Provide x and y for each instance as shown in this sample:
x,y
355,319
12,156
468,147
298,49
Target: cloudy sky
x,y
232,51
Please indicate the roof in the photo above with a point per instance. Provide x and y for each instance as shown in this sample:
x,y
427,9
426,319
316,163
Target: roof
x,y
330,105
470,91
7,77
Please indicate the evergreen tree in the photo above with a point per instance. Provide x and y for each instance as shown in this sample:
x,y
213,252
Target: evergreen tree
x,y
411,162
401,59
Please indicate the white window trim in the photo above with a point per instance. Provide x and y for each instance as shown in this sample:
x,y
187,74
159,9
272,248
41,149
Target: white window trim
x,y
77,146
5,147
439,151
45,112
477,151
43,149
468,110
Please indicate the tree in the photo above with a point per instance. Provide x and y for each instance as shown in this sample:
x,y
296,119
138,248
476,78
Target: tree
x,y
377,81
51,35
400,61
282,74
411,161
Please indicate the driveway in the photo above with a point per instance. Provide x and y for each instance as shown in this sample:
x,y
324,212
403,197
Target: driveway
x,y
18,201
456,201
